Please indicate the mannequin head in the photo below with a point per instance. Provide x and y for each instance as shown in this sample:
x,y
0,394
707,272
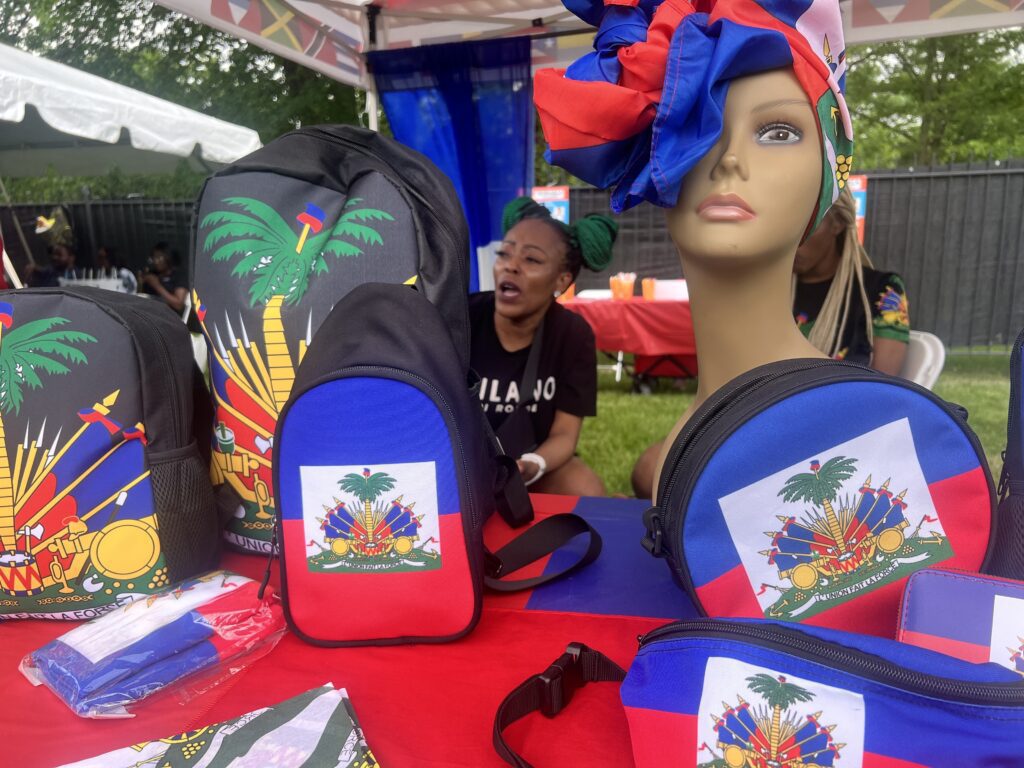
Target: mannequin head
x,y
754,194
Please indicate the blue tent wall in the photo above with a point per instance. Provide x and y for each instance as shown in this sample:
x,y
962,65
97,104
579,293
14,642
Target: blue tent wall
x,y
469,108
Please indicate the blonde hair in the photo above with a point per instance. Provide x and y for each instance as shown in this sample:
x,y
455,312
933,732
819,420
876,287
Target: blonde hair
x,y
827,332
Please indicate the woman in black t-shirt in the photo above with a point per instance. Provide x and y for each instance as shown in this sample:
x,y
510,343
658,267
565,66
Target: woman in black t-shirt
x,y
539,259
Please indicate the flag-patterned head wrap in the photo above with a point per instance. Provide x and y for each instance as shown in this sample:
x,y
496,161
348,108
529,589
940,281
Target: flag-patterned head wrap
x,y
640,112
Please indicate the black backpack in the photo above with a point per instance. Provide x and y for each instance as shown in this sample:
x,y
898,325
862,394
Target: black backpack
x,y
281,236
387,470
103,492
1008,556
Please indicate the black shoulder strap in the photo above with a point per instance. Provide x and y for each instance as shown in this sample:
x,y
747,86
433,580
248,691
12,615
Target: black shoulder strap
x,y
540,540
551,691
529,382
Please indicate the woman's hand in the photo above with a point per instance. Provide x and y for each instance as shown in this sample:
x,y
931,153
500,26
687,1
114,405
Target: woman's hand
x,y
528,469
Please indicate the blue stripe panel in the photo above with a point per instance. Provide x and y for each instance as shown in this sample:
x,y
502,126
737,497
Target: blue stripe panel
x,y
801,426
955,606
669,676
364,421
624,581
788,12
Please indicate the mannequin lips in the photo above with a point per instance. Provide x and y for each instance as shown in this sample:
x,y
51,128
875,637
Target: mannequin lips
x,y
725,208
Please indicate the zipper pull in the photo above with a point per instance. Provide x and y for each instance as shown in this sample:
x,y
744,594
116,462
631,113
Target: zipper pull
x,y
1004,479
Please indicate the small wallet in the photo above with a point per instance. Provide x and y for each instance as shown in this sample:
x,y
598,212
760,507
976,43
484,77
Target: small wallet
x,y
972,617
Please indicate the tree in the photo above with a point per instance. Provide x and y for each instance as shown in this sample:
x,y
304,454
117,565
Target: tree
x,y
367,488
779,695
25,350
820,486
923,102
177,58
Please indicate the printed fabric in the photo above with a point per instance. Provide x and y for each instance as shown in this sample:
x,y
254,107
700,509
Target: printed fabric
x,y
317,729
638,113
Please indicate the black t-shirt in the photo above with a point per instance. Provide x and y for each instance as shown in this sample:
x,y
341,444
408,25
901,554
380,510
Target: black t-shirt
x,y
566,370
171,282
889,315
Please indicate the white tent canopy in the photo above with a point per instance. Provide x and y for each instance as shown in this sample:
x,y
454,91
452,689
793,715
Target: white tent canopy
x,y
80,124
331,35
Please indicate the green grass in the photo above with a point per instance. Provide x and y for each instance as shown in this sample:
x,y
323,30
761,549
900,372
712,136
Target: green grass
x,y
627,423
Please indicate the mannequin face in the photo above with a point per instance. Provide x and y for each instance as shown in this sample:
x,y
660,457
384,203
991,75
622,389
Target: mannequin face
x,y
752,195
530,267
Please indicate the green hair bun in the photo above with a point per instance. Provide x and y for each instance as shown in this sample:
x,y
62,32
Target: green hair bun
x,y
519,209
595,234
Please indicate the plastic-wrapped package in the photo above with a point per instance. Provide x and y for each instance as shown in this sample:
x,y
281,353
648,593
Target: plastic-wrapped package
x,y
317,729
210,626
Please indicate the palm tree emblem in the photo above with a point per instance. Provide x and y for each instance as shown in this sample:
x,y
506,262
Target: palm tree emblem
x,y
367,488
25,352
780,696
756,737
280,260
820,486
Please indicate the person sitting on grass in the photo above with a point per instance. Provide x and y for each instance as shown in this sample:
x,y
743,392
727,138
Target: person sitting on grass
x,y
537,409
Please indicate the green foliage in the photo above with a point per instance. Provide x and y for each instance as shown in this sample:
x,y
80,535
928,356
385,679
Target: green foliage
x,y
937,100
177,58
24,349
777,692
183,184
367,488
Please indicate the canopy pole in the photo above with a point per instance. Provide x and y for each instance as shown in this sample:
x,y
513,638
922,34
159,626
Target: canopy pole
x,y
17,226
372,97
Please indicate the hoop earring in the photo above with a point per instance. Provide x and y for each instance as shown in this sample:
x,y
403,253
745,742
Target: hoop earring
x,y
557,294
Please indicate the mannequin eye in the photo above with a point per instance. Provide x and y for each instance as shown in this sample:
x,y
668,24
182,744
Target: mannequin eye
x,y
778,133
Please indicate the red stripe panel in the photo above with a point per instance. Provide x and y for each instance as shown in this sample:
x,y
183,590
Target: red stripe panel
x,y
662,739
962,502
873,613
871,760
978,654
612,113
730,595
363,606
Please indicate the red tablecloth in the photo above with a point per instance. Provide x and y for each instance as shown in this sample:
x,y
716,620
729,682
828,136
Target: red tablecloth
x,y
659,333
420,705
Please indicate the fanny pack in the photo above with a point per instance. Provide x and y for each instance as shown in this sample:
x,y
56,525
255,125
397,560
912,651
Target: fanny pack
x,y
706,693
809,490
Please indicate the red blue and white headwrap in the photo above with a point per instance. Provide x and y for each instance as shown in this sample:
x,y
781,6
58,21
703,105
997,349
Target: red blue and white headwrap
x,y
640,112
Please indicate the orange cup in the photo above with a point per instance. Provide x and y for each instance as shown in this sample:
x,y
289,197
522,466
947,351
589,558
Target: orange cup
x,y
627,284
647,286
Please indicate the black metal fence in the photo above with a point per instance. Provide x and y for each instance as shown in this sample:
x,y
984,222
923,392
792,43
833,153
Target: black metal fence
x,y
130,227
955,233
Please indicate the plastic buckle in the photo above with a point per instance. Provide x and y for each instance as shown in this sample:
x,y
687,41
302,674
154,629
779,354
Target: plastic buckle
x,y
493,567
561,680
653,541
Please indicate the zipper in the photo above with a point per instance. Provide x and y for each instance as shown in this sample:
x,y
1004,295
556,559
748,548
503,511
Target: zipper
x,y
843,659
410,188
724,404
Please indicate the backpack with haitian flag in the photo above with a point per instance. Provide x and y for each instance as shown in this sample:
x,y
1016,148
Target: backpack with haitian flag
x,y
281,236
1008,557
103,492
809,490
